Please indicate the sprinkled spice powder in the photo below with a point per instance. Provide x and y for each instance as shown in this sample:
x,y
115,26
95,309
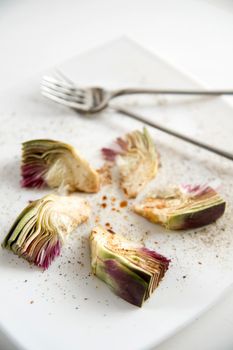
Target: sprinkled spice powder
x,y
103,205
105,174
104,198
123,204
111,231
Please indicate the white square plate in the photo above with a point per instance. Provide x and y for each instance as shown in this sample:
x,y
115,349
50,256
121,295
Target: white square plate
x,y
66,307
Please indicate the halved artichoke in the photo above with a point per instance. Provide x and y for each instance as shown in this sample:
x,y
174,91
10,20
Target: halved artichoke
x,y
56,164
183,207
137,159
40,230
132,271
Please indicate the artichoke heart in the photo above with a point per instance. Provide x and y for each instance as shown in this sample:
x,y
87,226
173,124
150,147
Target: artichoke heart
x,y
137,159
133,272
40,230
183,207
56,164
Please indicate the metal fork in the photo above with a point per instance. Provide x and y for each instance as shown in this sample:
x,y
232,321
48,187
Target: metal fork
x,y
94,99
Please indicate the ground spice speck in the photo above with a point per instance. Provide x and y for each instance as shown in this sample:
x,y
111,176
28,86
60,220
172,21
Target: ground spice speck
x,y
123,204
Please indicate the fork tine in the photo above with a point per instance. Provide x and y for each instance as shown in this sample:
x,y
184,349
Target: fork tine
x,y
58,82
60,100
63,92
68,97
62,83
61,88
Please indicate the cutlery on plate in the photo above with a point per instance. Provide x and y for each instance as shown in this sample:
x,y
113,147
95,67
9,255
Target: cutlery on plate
x,y
95,99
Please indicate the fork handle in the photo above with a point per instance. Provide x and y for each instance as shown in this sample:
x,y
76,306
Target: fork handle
x,y
130,91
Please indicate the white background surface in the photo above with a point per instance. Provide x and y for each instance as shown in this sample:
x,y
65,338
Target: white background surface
x,y
194,35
